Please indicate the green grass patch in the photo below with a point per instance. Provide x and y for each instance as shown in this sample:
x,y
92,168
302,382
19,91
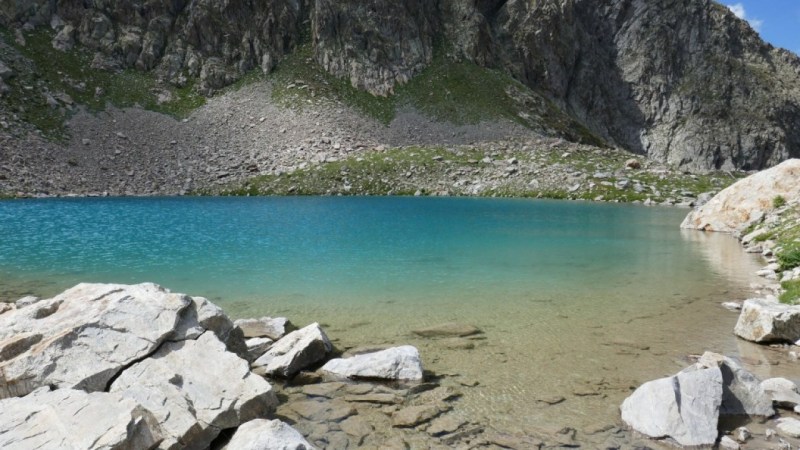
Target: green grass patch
x,y
778,202
791,292
69,79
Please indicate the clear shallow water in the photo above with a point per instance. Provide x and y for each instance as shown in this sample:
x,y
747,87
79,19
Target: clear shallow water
x,y
574,298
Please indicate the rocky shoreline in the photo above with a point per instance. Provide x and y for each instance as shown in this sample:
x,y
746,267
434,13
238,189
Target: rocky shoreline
x,y
717,386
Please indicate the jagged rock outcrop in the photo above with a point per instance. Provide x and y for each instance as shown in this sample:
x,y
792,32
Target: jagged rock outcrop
x,y
214,42
682,81
747,201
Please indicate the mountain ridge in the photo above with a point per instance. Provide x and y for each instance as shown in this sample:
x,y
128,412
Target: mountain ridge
x,y
683,82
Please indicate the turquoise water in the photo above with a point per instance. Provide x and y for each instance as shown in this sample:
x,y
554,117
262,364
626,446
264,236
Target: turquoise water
x,y
561,289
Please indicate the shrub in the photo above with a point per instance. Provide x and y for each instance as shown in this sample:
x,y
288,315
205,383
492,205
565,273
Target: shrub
x,y
778,201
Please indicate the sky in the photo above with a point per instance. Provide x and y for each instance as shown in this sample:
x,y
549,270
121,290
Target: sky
x,y
778,21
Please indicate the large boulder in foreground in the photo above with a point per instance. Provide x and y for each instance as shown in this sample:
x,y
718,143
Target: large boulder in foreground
x,y
84,336
297,350
397,363
73,419
267,435
196,388
747,200
684,407
764,321
742,392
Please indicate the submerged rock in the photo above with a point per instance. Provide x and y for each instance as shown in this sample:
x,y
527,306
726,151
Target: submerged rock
x,y
398,363
448,330
296,351
73,419
264,434
684,407
747,200
763,321
195,389
84,336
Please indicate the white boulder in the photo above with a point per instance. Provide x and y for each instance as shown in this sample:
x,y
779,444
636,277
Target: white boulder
x,y
784,393
73,419
257,347
742,392
747,200
264,434
397,363
297,350
765,321
195,388
684,407
84,336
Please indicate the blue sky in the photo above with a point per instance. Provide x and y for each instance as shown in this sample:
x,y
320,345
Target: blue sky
x,y
778,21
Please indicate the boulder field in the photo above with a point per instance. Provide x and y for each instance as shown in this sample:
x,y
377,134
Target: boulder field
x,y
140,367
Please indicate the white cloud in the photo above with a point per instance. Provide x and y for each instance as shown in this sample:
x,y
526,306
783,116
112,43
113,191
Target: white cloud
x,y
739,11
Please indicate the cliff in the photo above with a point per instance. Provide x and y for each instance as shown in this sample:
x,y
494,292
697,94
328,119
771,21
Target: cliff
x,y
681,81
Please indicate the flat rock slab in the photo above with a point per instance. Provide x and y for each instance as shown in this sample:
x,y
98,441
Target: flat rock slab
x,y
269,327
684,407
764,321
264,434
397,363
73,419
415,415
196,388
84,336
451,329
789,426
297,350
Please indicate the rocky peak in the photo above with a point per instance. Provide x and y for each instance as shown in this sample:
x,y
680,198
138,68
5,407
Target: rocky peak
x,y
681,81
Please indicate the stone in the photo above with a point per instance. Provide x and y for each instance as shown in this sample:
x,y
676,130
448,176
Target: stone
x,y
196,388
412,416
784,393
296,351
451,329
5,72
763,321
684,407
788,426
74,419
262,434
398,363
26,301
633,164
742,392
203,315
729,443
445,424
273,328
746,201
84,336
257,347
742,434
356,426
732,306
5,307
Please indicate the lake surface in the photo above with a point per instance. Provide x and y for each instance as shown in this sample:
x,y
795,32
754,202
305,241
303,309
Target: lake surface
x,y
577,300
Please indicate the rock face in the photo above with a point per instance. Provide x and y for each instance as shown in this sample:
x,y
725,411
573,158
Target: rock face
x,y
684,82
684,407
67,418
83,337
764,321
398,363
195,388
747,200
296,351
267,435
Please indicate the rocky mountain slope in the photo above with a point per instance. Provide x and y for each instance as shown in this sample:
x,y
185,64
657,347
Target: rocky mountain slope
x,y
683,82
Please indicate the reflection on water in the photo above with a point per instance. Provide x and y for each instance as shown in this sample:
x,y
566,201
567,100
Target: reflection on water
x,y
576,300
